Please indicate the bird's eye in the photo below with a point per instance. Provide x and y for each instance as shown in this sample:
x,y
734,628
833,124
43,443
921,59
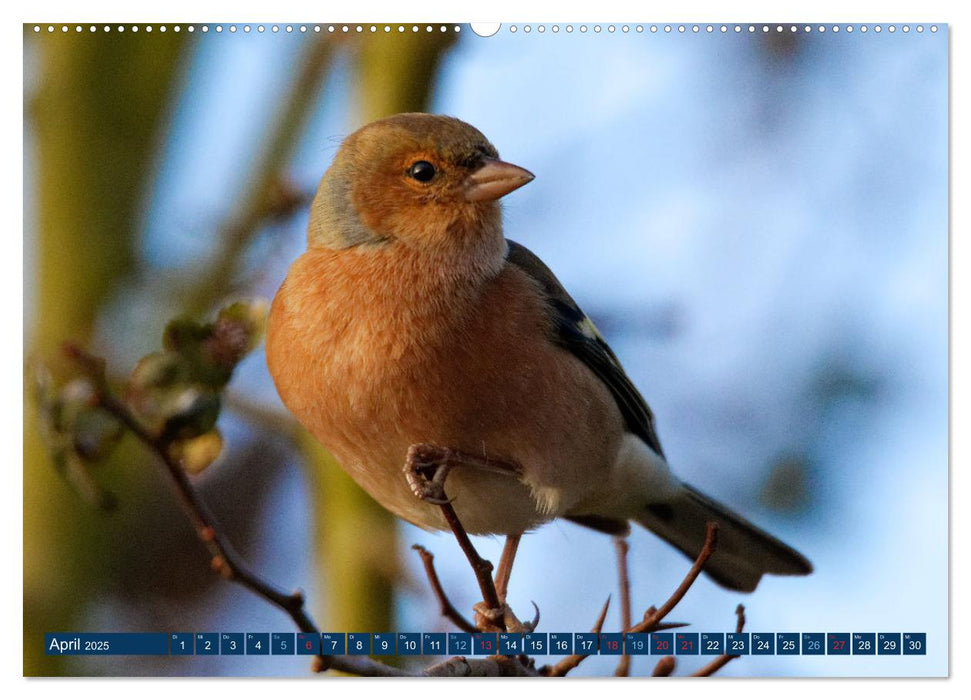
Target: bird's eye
x,y
423,171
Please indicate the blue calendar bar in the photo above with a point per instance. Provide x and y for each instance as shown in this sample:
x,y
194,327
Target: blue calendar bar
x,y
485,643
888,643
106,644
283,643
898,644
738,643
838,644
433,643
637,643
813,643
409,643
686,643
333,643
207,643
787,643
612,643
257,644
459,644
662,643
915,643
763,643
510,643
231,643
383,644
181,643
864,643
309,644
712,643
586,643
536,643
358,643
561,643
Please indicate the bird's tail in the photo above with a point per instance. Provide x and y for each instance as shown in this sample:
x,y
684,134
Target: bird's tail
x,y
743,552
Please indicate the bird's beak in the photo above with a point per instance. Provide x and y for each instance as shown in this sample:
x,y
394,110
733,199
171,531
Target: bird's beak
x,y
495,179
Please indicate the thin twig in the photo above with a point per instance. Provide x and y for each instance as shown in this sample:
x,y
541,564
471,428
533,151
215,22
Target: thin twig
x,y
449,611
568,663
720,661
366,667
711,542
664,667
623,666
457,666
661,626
460,666
480,566
225,561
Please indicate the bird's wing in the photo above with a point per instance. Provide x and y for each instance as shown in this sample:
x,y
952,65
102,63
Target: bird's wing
x,y
575,332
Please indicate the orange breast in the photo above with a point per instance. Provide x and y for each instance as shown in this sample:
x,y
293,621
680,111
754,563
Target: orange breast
x,y
373,354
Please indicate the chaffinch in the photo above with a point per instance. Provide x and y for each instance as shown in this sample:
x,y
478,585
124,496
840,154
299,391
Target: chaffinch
x,y
411,321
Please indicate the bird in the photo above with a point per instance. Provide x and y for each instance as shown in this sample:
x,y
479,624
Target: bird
x,y
412,325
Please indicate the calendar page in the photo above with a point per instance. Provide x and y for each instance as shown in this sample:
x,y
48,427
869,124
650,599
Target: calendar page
x,y
517,349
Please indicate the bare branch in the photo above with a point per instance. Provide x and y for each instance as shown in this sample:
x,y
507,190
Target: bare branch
x,y
664,667
225,561
720,661
661,626
460,666
711,542
449,611
481,567
567,664
363,666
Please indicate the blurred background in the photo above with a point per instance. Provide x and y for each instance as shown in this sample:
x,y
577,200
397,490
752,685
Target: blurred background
x,y
756,222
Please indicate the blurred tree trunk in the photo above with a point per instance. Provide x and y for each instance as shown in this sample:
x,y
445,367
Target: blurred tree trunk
x,y
96,118
358,555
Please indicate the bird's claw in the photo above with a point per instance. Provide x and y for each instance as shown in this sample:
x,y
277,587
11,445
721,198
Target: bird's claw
x,y
491,619
425,469
501,619
532,624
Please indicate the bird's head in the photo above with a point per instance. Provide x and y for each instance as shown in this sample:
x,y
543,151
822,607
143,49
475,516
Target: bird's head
x,y
419,179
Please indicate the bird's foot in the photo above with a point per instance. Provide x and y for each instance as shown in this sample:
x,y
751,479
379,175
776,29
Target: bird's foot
x,y
426,468
501,619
